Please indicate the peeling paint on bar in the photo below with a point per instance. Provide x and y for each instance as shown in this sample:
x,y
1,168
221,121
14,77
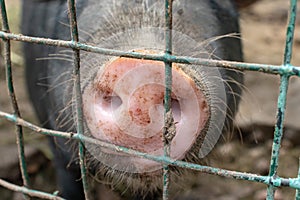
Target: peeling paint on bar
x,y
293,183
265,68
13,99
29,192
76,73
168,117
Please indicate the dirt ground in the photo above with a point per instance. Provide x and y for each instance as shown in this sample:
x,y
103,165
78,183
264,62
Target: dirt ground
x,y
263,28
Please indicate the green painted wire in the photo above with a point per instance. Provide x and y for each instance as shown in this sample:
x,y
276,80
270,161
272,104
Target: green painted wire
x,y
281,104
76,72
9,78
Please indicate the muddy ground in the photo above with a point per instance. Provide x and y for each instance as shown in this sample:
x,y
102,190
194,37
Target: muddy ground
x,y
247,150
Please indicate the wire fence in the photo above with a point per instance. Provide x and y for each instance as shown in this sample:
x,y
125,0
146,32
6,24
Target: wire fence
x,y
286,70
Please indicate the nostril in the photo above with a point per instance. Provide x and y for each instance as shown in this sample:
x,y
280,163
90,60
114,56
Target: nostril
x,y
116,102
176,110
110,102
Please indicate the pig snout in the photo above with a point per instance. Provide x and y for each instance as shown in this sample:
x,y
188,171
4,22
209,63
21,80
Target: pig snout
x,y
123,105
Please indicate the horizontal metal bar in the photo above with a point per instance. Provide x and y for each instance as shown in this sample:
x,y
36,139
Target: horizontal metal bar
x,y
29,192
289,70
276,181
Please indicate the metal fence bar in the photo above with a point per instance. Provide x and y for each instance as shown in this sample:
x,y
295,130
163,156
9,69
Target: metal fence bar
x,y
281,105
297,197
284,79
290,33
76,72
11,92
265,68
272,69
29,192
276,181
168,130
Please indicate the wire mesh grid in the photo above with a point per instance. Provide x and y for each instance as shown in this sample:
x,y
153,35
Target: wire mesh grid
x,y
286,70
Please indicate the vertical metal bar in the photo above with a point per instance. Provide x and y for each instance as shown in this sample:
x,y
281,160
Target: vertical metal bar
x,y
297,197
168,132
270,192
281,104
9,79
75,38
290,32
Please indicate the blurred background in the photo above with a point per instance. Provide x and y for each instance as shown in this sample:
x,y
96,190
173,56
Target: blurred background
x,y
247,149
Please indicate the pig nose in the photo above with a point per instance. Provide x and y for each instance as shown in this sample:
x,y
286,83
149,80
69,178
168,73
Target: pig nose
x,y
142,106
124,105
137,103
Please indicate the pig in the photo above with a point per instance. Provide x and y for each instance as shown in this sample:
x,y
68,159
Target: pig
x,y
123,98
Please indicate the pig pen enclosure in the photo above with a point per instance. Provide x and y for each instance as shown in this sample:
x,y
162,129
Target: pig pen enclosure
x,y
269,163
